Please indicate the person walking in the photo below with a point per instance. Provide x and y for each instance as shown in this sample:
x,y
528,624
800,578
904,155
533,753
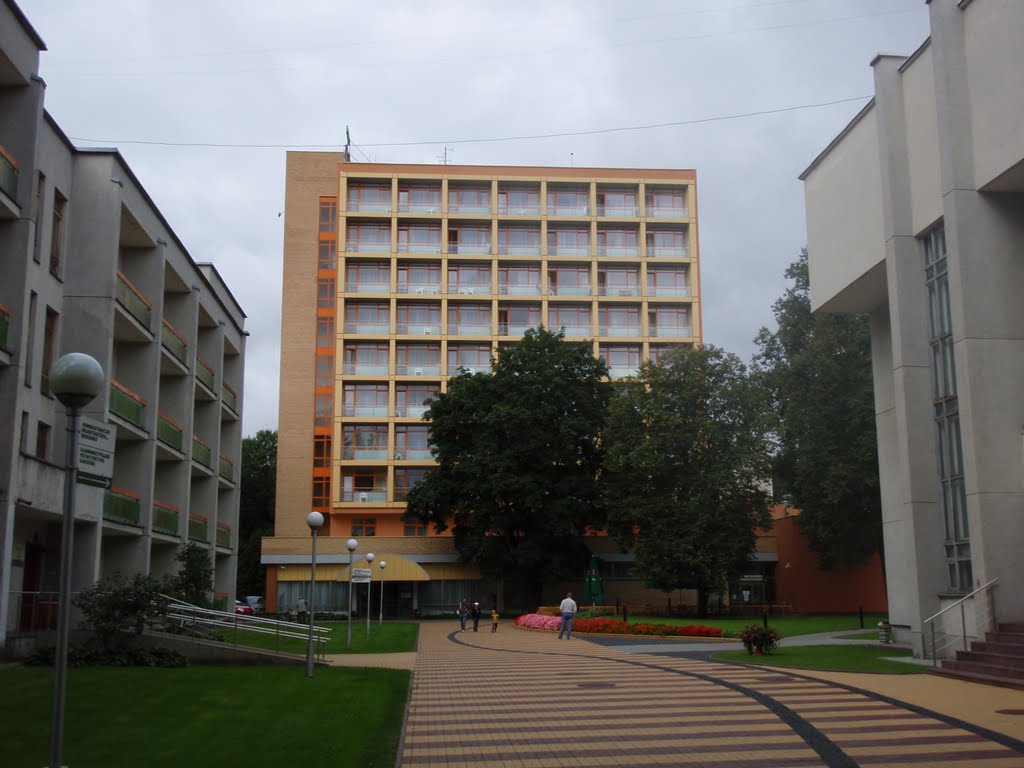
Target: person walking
x,y
463,612
301,613
494,620
568,609
475,613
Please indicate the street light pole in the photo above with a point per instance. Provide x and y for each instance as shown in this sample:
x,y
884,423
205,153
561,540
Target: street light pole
x,y
352,544
382,564
369,591
75,380
314,520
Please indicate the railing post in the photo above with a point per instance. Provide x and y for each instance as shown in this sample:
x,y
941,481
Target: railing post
x,y
963,625
935,650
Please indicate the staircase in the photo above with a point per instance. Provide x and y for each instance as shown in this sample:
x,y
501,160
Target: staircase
x,y
998,659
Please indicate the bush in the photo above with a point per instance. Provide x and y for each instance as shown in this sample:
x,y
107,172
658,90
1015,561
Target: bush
x,y
115,606
597,613
602,626
760,639
93,655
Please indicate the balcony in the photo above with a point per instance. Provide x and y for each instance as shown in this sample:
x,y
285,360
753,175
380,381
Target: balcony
x,y
367,328
668,290
134,303
419,289
433,207
123,507
8,174
364,496
368,287
620,251
526,209
568,290
568,210
166,518
620,330
5,325
474,208
224,535
169,432
202,453
622,372
584,331
433,247
469,329
519,250
418,369
568,250
668,251
365,369
365,410
470,289
620,211
365,206
514,329
418,329
368,246
204,373
519,290
127,405
667,212
359,453
230,397
174,343
198,528
679,331
226,468
464,248
415,411
619,290
414,454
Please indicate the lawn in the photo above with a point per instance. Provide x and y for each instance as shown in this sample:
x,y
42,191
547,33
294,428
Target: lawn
x,y
836,658
787,626
259,717
392,637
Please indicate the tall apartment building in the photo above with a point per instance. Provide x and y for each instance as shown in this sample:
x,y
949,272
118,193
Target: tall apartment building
x,y
397,277
915,216
89,264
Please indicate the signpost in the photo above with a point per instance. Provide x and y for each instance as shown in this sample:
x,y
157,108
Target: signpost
x,y
96,453
361,575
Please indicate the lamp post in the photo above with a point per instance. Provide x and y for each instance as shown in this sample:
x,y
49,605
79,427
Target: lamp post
x,y
75,380
314,520
369,591
382,564
351,544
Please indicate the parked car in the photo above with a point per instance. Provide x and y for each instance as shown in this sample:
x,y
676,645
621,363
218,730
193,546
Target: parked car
x,y
243,608
255,602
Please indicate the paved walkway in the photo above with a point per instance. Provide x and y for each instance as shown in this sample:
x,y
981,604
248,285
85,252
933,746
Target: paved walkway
x,y
521,698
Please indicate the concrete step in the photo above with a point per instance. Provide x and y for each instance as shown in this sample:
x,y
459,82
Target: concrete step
x,y
1006,638
991,657
974,677
981,668
1012,626
989,646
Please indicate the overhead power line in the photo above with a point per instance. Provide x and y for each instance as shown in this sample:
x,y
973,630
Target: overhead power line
x,y
486,140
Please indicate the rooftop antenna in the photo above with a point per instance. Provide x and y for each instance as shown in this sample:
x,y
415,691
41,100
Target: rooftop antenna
x,y
348,140
444,157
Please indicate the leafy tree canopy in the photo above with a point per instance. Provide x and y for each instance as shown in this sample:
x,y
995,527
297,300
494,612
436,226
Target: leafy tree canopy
x,y
817,371
687,458
194,581
519,455
256,508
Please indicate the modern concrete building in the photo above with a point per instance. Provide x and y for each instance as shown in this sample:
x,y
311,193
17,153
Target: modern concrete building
x,y
89,264
397,277
915,216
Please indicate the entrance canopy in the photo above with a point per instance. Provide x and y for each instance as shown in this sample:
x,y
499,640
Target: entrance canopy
x,y
398,568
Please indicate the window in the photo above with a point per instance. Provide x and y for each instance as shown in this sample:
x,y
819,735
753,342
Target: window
x,y
419,198
406,479
418,318
476,357
414,529
369,196
30,346
619,319
57,232
466,238
328,258
364,526
616,201
518,200
617,242
49,348
325,292
410,398
367,317
668,281
569,280
666,242
946,408
37,214
324,371
323,410
519,240
618,281
568,200
621,359
321,450
365,441
469,198
412,441
515,319
469,277
569,241
669,320
418,359
42,441
325,331
575,318
23,440
665,201
366,400
419,277
372,236
321,491
367,277
366,359
328,214
419,238
518,279
469,319
364,485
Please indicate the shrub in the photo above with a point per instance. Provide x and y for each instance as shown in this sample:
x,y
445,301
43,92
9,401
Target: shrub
x,y
115,606
93,655
760,639
603,626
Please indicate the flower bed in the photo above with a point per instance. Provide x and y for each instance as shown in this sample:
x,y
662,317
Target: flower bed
x,y
615,627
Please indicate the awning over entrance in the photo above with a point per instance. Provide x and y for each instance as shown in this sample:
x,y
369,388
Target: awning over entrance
x,y
398,569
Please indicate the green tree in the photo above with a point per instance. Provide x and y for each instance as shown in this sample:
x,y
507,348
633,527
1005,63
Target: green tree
x,y
194,581
817,372
519,455
687,458
115,607
256,508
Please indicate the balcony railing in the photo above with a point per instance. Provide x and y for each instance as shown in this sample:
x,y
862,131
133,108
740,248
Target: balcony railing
x,y
430,247
519,290
470,329
618,250
135,304
568,250
365,369
418,329
519,250
174,343
230,397
470,289
418,369
419,288
621,371
376,328
121,506
368,246
224,535
434,208
126,404
519,210
364,205
5,325
568,210
668,251
618,210
365,410
469,208
8,174
453,370
166,518
682,331
514,329
202,453
359,453
198,528
619,290
667,212
482,248
168,431
364,496
226,468
414,411
576,330
414,454
204,373
368,287
668,290
620,330
569,290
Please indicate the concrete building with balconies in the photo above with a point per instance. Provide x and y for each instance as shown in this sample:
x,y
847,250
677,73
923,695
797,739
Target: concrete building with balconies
x,y
397,277
89,264
915,217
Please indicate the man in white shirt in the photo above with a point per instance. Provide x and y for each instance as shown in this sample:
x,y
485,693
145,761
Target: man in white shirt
x,y
568,609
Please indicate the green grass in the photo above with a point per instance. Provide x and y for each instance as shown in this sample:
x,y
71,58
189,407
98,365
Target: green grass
x,y
837,658
787,626
258,717
393,637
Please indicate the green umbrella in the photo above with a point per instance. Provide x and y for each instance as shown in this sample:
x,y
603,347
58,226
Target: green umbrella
x,y
593,588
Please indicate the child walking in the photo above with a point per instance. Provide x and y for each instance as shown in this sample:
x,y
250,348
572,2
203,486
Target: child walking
x,y
494,620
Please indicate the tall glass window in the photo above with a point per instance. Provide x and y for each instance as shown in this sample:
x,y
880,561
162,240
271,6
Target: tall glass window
x,y
946,408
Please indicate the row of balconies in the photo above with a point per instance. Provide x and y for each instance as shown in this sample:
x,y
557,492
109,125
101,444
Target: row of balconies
x,y
487,249
513,329
535,289
124,507
533,210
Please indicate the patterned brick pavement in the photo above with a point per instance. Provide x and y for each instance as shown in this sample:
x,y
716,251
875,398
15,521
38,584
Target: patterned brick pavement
x,y
519,698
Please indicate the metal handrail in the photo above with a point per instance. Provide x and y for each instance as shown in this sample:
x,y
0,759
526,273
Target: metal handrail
x,y
963,618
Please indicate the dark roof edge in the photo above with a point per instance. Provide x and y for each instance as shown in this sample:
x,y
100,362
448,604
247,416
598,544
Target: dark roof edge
x,y
23,20
223,285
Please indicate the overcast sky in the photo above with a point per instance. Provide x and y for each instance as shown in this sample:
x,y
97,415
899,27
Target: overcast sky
x,y
431,74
